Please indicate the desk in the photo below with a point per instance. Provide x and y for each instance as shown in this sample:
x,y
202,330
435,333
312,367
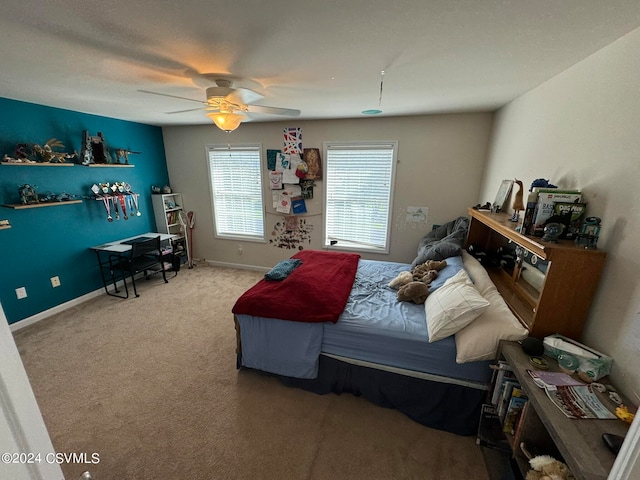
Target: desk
x,y
120,248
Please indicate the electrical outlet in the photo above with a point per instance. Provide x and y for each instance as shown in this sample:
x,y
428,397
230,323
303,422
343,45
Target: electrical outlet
x,y
240,249
55,282
21,293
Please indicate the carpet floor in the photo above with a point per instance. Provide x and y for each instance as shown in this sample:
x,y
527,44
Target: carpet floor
x,y
150,385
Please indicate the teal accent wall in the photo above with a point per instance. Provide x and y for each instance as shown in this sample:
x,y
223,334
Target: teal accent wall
x,y
54,241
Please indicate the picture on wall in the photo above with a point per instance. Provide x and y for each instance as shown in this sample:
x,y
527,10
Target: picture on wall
x,y
314,164
292,140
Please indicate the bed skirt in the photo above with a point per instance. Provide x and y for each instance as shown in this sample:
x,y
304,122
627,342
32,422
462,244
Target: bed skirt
x,y
443,406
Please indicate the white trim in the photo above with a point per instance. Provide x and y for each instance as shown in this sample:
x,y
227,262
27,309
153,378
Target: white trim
x,y
409,373
23,430
57,309
627,464
239,266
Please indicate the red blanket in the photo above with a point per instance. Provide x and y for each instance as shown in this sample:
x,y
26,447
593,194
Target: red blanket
x,y
316,291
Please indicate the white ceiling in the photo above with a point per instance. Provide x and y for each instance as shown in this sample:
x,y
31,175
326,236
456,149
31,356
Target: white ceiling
x,y
323,57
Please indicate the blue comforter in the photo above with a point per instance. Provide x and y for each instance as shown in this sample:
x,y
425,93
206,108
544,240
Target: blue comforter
x,y
374,327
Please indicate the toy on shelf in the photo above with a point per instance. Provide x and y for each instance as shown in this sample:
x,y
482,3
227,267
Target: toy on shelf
x,y
96,152
35,153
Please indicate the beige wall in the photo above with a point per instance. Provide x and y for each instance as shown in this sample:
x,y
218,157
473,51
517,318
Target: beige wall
x,y
582,129
440,164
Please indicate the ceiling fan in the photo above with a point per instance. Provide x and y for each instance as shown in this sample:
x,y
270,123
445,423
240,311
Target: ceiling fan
x,y
226,106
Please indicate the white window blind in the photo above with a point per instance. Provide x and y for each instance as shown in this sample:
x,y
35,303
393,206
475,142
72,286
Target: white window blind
x,y
236,186
359,185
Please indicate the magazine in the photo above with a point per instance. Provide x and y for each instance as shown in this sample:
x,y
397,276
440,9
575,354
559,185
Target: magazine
x,y
550,380
579,402
574,398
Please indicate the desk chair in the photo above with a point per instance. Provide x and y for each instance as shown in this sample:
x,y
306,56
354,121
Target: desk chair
x,y
145,257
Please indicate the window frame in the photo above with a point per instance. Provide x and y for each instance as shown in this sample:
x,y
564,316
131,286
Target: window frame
x,y
353,245
253,147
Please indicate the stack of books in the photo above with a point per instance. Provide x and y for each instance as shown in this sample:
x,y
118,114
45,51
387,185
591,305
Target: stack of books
x,y
500,417
552,204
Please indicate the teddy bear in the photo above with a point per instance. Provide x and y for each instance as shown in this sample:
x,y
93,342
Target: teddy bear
x,y
402,279
425,272
415,292
425,269
545,467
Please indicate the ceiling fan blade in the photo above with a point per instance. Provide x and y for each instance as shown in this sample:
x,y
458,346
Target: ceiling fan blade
x,y
243,95
184,111
172,96
273,110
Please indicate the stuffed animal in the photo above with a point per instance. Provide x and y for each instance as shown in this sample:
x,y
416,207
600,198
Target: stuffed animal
x,y
402,279
425,277
428,271
415,292
545,467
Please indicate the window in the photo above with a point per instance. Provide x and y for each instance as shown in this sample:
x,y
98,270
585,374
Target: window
x,y
359,189
236,188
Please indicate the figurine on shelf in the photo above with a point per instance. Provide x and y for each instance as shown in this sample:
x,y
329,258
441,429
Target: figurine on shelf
x,y
122,155
552,232
588,237
28,195
518,203
94,149
46,153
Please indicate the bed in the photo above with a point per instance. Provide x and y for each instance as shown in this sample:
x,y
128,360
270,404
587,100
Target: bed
x,y
333,324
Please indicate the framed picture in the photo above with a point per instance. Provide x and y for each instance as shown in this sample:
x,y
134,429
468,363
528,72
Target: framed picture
x,y
313,160
504,192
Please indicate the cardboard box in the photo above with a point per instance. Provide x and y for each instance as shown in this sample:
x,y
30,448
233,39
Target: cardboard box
x,y
545,206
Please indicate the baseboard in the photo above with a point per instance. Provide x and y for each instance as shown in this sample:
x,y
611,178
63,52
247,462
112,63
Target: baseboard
x,y
240,266
77,301
57,309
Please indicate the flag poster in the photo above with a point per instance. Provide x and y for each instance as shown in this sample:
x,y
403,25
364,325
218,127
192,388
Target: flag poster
x,y
292,140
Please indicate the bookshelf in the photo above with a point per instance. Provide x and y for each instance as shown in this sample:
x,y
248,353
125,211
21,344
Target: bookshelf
x,y
166,210
546,430
562,301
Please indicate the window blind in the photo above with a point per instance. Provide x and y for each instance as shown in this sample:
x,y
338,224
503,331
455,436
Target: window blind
x,y
236,185
359,181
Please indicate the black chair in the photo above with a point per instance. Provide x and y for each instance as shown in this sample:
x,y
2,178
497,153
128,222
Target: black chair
x,y
145,257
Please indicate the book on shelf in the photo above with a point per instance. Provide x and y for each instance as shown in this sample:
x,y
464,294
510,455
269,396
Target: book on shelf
x,y
500,371
529,209
519,427
572,215
505,396
545,204
490,432
514,410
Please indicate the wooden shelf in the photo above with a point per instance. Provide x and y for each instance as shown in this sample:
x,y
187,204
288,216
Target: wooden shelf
x,y
20,206
109,165
562,303
500,223
5,227
37,164
579,441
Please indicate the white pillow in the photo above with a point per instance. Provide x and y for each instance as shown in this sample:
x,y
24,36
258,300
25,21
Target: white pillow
x,y
478,274
453,306
479,340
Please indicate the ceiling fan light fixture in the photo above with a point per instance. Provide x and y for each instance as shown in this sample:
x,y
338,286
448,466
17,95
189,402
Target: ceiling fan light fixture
x,y
226,121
